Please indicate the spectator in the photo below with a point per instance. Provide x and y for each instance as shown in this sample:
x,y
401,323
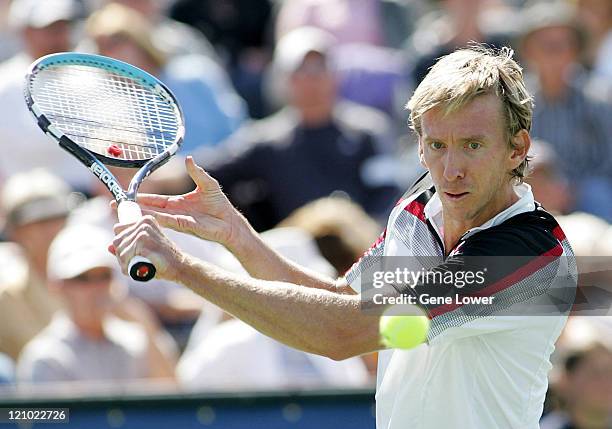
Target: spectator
x,y
239,30
578,126
44,28
211,107
236,356
596,18
10,44
341,229
86,341
455,25
355,21
176,308
174,38
584,386
35,205
587,235
233,355
311,148
343,233
583,231
371,69
550,187
373,76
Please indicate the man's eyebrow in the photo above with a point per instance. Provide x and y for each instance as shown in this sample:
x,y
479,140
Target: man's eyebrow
x,y
475,137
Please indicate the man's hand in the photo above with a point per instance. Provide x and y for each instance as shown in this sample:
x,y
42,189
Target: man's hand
x,y
145,238
205,212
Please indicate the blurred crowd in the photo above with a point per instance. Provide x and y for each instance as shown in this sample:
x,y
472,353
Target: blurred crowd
x,y
297,108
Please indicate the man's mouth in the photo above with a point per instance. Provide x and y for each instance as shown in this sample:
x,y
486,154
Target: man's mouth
x,y
455,195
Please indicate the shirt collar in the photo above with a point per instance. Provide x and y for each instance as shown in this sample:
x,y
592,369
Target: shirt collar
x,y
525,203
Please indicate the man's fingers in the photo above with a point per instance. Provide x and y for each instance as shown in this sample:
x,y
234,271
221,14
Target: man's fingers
x,y
150,200
200,177
167,220
144,238
153,200
127,235
122,230
118,228
177,222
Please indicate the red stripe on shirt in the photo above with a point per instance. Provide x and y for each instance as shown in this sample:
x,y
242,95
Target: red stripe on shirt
x,y
511,279
417,209
558,233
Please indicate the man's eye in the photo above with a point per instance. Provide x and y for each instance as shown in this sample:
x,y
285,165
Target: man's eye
x,y
474,145
437,145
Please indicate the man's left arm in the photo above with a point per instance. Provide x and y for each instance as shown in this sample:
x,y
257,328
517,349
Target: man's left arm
x,y
311,319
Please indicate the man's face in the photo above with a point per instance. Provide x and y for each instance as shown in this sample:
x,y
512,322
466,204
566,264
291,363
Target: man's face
x,y
469,159
87,296
122,48
313,84
550,51
590,385
51,39
550,189
35,237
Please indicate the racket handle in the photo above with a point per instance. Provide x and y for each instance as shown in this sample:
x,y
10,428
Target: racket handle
x,y
139,268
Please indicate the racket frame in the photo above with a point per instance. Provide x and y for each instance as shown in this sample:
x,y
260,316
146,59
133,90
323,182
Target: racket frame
x,y
95,162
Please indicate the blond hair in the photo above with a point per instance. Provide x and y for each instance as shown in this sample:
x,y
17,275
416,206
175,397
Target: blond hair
x,y
458,78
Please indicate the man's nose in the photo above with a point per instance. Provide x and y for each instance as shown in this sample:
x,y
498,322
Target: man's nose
x,y
454,166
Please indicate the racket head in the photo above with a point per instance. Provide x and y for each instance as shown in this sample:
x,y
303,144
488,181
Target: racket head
x,y
120,114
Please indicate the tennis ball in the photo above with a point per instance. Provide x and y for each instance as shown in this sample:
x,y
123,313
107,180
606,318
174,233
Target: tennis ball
x,y
403,332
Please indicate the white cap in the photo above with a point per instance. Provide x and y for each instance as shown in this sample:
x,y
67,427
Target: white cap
x,y
41,13
32,196
79,248
293,47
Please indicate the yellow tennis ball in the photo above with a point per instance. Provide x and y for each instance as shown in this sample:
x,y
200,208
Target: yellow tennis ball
x,y
403,332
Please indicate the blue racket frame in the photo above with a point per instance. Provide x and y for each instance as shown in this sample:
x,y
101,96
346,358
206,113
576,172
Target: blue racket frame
x,y
96,163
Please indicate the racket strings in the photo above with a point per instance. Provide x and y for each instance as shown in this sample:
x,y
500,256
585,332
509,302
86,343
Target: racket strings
x,y
57,118
98,109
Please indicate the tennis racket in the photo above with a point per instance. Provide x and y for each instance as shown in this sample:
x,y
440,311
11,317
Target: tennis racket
x,y
107,112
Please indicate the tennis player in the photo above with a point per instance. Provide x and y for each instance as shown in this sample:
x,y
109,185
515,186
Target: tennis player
x,y
481,366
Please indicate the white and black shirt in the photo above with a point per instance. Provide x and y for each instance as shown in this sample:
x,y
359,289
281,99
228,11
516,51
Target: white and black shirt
x,y
482,366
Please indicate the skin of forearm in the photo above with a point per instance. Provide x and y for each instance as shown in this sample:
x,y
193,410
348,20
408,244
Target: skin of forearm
x,y
262,262
311,319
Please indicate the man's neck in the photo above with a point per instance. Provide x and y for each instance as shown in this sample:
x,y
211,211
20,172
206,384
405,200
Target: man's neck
x,y
455,228
316,116
93,330
553,88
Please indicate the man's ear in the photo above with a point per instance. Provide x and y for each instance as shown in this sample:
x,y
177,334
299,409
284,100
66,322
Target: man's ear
x,y
521,143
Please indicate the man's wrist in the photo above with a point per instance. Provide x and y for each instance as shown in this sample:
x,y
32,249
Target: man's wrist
x,y
243,239
178,267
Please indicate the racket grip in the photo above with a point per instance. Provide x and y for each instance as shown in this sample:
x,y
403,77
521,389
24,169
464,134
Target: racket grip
x,y
128,212
139,268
